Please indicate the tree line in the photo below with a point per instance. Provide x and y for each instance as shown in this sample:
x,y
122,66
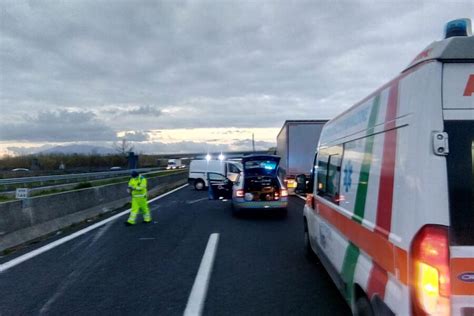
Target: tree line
x,y
58,161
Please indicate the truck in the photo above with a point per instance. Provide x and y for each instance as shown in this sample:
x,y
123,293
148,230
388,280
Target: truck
x,y
174,164
296,147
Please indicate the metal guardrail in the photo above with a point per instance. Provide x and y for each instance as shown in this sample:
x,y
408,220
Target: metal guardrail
x,y
77,176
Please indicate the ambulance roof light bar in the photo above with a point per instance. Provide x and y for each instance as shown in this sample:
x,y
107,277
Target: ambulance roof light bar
x,y
459,27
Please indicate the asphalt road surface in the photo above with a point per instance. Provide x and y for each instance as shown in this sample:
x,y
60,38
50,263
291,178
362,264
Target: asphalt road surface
x,y
259,266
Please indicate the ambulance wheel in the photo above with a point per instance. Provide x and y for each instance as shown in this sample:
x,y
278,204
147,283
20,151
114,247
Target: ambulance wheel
x,y
199,185
363,307
283,212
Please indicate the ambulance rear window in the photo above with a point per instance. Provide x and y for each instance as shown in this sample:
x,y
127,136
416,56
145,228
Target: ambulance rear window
x,y
461,180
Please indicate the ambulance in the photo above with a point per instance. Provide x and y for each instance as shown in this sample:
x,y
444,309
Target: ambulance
x,y
391,211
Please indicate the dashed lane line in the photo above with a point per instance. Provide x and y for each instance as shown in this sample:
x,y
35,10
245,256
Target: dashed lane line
x,y
198,294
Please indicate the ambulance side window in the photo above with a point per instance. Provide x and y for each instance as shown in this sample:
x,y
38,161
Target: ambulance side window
x,y
310,188
329,173
323,158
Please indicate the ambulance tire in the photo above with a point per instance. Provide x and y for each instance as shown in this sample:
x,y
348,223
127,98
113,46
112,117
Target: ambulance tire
x,y
199,185
363,307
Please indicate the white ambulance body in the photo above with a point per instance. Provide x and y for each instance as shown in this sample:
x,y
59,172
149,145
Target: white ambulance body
x,y
391,215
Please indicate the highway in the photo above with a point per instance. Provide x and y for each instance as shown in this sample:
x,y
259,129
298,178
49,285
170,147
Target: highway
x,y
259,266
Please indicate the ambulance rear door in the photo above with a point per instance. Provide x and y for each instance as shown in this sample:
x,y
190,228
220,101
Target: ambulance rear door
x,y
458,112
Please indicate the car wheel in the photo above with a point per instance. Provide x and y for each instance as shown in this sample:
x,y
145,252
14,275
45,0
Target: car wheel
x,y
363,307
283,212
199,185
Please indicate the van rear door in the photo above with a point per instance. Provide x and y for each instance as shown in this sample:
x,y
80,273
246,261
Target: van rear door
x,y
458,111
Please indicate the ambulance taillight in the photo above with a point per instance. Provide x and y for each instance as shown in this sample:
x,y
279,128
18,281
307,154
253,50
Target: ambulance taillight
x,y
429,271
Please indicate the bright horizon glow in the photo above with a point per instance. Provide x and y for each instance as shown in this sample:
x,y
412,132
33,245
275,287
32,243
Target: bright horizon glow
x,y
229,137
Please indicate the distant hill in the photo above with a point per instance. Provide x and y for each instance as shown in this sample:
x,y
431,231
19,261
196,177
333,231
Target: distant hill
x,y
79,149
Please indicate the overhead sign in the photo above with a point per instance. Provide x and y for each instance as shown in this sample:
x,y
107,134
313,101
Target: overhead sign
x,y
22,193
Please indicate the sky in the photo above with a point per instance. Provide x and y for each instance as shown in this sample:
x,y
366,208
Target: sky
x,y
197,76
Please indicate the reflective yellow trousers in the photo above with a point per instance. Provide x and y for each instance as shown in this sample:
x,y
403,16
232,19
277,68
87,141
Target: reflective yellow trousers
x,y
139,203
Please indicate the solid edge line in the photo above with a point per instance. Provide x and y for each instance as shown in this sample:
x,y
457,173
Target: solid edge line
x,y
197,297
9,264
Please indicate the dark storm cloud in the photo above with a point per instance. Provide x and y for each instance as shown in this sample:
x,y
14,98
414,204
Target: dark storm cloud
x,y
207,63
57,126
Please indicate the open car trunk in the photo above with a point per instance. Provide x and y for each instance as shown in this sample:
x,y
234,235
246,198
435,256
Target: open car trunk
x,y
261,188
261,180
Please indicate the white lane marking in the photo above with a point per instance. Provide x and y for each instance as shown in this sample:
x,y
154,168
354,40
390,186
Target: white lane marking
x,y
10,264
198,292
146,238
198,200
301,197
100,233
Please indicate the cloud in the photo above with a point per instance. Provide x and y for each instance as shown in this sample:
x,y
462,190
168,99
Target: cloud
x,y
198,147
247,143
136,136
57,126
143,110
188,64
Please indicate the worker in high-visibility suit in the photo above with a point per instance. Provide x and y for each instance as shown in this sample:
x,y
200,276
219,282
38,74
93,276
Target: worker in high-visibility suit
x,y
137,188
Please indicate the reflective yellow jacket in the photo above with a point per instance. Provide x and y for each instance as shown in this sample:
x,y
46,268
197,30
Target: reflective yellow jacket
x,y
138,186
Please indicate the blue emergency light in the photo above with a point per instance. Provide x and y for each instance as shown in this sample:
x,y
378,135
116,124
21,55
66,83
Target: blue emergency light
x,y
460,27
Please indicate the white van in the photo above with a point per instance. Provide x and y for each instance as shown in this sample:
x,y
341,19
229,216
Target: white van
x,y
391,214
198,170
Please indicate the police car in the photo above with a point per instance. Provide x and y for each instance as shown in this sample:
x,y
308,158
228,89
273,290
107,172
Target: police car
x,y
391,213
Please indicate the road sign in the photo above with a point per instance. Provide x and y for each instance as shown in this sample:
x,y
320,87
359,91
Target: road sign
x,y
22,193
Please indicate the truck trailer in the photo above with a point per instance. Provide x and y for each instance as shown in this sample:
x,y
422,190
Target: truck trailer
x,y
296,147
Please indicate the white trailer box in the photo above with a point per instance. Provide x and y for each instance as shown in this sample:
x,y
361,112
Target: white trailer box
x,y
296,147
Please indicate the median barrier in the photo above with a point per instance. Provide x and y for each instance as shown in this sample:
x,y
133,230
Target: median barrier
x,y
25,220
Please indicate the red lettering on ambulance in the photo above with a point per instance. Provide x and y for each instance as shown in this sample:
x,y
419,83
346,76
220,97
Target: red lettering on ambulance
x,y
469,90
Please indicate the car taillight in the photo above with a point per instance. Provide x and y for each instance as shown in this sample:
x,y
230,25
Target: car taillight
x,y
429,270
291,183
283,192
239,193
